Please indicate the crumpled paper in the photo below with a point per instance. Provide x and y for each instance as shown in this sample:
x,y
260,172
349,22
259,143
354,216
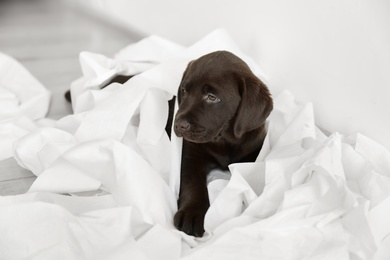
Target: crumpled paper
x,y
307,196
23,99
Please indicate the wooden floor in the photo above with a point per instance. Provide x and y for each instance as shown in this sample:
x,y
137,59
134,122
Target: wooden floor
x,y
47,36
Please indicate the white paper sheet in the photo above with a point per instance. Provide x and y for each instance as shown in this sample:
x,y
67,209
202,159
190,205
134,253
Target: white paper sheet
x,y
308,195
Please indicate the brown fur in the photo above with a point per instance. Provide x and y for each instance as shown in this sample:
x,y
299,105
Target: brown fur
x,y
222,110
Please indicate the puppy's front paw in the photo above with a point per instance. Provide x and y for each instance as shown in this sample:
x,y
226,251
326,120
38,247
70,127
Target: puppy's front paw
x,y
190,221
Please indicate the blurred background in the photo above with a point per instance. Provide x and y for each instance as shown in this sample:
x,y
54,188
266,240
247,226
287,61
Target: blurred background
x,y
334,53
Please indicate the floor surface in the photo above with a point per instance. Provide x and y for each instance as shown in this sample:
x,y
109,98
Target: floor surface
x,y
46,37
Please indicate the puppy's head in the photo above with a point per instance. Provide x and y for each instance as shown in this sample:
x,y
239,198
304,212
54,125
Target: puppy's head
x,y
219,96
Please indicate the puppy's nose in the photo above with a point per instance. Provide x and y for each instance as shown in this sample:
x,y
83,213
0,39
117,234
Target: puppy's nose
x,y
182,126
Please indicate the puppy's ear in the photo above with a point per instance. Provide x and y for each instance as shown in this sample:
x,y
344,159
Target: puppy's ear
x,y
256,105
182,79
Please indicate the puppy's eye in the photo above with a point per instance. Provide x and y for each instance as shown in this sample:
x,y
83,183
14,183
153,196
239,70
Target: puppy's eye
x,y
211,98
183,91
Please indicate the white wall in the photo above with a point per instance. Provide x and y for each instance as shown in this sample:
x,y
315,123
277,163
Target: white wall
x,y
335,53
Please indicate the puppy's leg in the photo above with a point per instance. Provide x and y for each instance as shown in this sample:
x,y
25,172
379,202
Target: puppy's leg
x,y
193,198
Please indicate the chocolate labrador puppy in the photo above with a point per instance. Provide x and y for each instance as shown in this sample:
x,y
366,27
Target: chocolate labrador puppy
x,y
221,115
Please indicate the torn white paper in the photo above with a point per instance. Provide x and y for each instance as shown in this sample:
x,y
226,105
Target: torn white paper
x,y
22,99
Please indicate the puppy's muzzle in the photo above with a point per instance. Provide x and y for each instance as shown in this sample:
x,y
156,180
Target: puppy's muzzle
x,y
190,132
181,127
